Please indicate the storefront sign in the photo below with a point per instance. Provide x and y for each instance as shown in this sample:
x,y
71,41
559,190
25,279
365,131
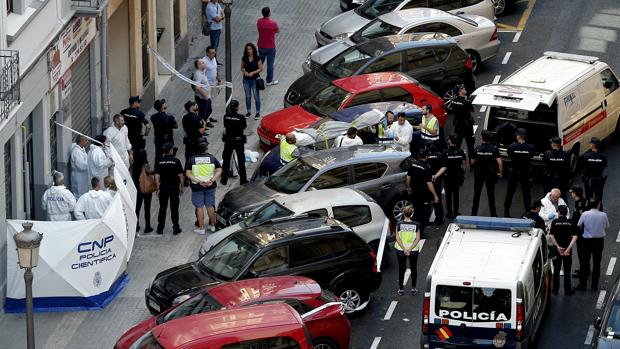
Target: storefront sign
x,y
72,41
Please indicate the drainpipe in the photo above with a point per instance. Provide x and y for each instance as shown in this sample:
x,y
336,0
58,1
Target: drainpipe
x,y
105,91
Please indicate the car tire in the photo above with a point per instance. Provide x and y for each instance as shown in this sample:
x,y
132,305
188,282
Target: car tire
x,y
499,6
476,61
397,207
352,298
324,343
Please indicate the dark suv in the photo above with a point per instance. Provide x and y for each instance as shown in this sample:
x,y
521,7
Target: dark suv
x,y
324,250
434,59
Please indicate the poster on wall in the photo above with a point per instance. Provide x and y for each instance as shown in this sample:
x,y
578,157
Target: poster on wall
x,y
71,43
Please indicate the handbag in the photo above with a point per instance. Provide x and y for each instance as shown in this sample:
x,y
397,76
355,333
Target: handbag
x,y
147,182
260,83
206,25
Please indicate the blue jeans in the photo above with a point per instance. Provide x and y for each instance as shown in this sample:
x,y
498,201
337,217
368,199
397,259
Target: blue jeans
x,y
268,55
215,38
249,86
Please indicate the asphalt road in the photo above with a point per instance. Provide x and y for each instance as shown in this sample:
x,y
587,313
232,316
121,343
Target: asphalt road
x,y
586,27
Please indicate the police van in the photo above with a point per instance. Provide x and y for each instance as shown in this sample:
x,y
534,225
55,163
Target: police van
x,y
489,285
570,96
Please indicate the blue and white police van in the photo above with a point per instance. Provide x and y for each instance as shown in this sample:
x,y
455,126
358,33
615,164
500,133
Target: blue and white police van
x,y
489,285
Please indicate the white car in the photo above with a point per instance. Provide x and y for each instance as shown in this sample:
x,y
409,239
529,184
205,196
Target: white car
x,y
476,35
345,24
350,206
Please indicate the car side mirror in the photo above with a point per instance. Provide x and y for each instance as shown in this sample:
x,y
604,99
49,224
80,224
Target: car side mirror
x,y
252,274
597,323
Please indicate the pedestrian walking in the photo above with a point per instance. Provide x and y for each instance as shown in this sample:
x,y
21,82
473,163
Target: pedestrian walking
x,y
169,179
594,164
267,30
594,223
135,120
437,161
534,215
164,125
419,183
407,247
194,129
99,162
141,162
110,185
402,131
79,166
557,167
202,94
429,127
92,205
203,170
58,201
251,66
211,70
234,140
550,204
488,168
215,17
563,235
117,135
581,205
454,176
349,139
520,154
463,122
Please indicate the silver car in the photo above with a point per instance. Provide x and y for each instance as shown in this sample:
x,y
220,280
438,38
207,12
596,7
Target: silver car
x,y
345,24
607,328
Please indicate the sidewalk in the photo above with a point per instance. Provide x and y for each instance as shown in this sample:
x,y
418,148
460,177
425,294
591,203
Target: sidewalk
x,y
298,20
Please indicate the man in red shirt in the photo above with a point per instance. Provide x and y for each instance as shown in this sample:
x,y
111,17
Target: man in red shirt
x,y
267,29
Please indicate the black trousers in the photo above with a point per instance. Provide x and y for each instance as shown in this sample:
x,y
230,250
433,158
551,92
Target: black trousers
x,y
147,207
402,266
466,133
422,210
238,148
484,179
452,187
514,178
593,186
581,249
567,261
204,107
593,249
165,195
438,185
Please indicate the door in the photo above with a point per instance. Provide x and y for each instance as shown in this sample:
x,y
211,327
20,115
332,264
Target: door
x,y
422,65
612,100
321,258
391,62
335,178
367,178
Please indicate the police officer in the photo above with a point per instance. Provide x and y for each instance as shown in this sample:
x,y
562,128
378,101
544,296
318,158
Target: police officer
x,y
594,164
169,179
563,235
463,121
534,215
557,167
134,120
437,161
163,126
487,165
194,129
234,140
454,176
520,153
419,183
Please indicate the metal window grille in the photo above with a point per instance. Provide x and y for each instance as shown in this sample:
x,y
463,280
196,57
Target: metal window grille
x,y
9,81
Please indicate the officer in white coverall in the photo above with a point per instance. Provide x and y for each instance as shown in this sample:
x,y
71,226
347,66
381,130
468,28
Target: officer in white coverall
x,y
79,166
58,201
99,162
93,204
117,134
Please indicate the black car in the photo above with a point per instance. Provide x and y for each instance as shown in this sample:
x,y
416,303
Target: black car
x,y
434,59
322,249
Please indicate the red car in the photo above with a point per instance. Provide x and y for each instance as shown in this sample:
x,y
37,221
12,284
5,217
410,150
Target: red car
x,y
301,293
348,92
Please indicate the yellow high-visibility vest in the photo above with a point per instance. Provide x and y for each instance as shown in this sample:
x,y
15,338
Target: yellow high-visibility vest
x,y
203,169
429,125
408,233
286,151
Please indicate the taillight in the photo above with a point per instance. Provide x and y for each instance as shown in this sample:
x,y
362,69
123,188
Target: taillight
x,y
468,63
520,312
494,36
374,261
426,310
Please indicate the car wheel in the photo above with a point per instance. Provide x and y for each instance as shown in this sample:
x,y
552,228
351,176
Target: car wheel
x,y
449,95
499,6
476,61
324,343
352,299
398,206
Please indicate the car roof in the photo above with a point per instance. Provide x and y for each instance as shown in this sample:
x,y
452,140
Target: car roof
x,y
404,17
388,43
231,294
314,199
269,231
191,328
321,158
364,82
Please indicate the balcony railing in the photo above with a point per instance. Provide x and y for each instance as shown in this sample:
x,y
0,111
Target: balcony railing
x,y
9,82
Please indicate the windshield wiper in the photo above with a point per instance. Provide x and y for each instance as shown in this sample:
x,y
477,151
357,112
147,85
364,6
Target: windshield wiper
x,y
313,109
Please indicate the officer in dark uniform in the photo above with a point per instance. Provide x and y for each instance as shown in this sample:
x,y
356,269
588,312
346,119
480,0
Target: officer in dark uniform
x,y
194,128
534,214
463,121
563,235
454,177
557,167
169,176
134,119
419,183
437,161
234,140
487,165
520,154
163,126
594,164
581,206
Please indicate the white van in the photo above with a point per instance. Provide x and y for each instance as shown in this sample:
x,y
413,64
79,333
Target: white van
x,y
489,285
570,96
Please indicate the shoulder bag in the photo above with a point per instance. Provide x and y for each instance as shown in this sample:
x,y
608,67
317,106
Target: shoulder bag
x,y
147,181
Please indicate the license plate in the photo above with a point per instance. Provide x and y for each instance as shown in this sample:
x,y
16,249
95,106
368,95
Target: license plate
x,y
154,305
264,140
220,219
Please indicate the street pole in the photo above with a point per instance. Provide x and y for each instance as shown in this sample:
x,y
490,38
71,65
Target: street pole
x,y
228,47
29,314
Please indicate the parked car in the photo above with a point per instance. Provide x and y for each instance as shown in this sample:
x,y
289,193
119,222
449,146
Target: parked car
x,y
345,24
344,93
607,327
346,5
301,293
502,6
477,35
324,250
262,326
433,59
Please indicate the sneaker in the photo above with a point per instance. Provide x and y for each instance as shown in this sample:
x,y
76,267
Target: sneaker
x,y
212,120
160,232
210,125
414,291
274,82
247,115
401,292
199,231
223,182
177,231
212,228
257,116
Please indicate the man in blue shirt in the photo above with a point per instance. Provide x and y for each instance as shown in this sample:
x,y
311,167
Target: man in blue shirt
x,y
215,17
594,223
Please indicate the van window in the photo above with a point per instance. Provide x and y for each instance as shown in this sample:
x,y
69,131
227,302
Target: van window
x,y
273,260
475,304
610,82
275,342
386,63
396,94
353,216
316,250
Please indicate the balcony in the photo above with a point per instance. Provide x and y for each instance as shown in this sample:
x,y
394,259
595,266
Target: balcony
x,y
87,6
9,82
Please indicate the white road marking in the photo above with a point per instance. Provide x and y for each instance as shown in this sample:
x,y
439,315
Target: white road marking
x,y
483,109
610,267
496,79
375,343
517,37
390,311
618,238
589,336
506,57
407,275
601,299
475,128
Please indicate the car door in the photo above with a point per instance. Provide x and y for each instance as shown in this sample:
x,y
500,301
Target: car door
x,y
612,100
367,178
320,258
271,262
389,62
422,65
335,178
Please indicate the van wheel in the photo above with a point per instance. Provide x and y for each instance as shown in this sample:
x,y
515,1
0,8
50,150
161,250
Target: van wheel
x,y
324,343
476,61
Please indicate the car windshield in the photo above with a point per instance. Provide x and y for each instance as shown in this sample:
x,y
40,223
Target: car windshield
x,y
613,322
326,102
201,303
375,29
228,257
271,210
476,304
372,9
348,62
292,177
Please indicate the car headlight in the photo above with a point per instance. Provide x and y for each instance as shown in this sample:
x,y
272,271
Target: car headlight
x,y
342,36
180,299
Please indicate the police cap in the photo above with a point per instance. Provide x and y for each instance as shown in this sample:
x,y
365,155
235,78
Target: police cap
x,y
167,146
234,104
595,141
556,140
521,132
